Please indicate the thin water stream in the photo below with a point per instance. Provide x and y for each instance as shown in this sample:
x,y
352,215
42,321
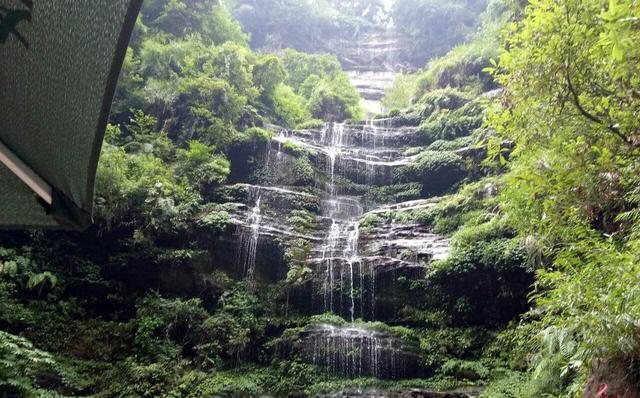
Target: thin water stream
x,y
346,261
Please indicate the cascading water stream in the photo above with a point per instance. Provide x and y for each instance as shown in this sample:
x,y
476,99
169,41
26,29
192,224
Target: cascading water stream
x,y
346,266
370,133
249,239
351,255
354,351
340,247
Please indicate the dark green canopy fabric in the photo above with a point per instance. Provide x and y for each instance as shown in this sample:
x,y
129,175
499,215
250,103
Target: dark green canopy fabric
x,y
59,64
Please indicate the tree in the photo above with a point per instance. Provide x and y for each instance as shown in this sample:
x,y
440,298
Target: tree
x,y
201,166
289,107
571,71
268,73
335,100
436,25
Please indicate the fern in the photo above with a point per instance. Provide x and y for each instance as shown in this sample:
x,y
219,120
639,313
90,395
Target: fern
x,y
19,364
41,280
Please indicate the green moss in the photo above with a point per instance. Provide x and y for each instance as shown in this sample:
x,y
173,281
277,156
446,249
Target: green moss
x,y
394,193
461,67
293,148
215,221
303,172
452,123
425,216
447,224
310,124
485,278
437,171
370,221
327,317
413,151
451,145
301,220
257,134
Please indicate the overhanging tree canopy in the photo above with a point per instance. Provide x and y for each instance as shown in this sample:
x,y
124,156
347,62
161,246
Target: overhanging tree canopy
x,y
59,64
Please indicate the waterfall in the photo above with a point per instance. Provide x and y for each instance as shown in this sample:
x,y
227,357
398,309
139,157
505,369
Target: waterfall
x,y
333,148
352,266
340,246
339,253
370,133
329,247
353,351
350,253
249,239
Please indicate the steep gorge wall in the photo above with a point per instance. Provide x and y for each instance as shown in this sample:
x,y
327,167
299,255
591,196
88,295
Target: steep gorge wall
x,y
347,265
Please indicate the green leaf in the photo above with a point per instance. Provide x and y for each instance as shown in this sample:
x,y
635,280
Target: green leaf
x,y
9,268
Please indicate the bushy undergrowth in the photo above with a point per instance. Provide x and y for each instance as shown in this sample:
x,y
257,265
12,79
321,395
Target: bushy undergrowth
x,y
436,171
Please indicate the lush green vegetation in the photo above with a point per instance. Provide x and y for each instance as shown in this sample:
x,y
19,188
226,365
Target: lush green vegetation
x,y
303,25
535,185
568,194
572,182
436,26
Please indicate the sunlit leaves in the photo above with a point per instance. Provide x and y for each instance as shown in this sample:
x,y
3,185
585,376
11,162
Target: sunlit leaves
x,y
571,73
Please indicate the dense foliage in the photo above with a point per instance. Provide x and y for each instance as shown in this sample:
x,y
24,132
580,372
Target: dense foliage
x,y
571,107
430,27
302,25
523,154
436,26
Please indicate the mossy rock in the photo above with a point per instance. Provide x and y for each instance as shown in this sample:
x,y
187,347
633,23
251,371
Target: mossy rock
x,y
437,171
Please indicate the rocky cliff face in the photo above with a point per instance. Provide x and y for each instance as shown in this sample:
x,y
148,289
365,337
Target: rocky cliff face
x,y
372,58
357,350
346,248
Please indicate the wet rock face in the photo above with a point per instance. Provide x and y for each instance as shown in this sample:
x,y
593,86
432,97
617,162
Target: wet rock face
x,y
375,50
372,59
352,351
349,267
354,272
364,153
254,243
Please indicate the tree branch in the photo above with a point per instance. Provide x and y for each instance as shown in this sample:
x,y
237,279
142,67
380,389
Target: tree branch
x,y
611,127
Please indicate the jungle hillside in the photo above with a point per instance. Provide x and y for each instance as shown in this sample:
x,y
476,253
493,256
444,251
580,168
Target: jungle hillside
x,y
356,198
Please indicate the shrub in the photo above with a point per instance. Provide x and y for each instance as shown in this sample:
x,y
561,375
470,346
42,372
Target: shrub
x,y
301,220
20,366
310,124
445,124
445,343
256,134
485,279
215,221
437,171
462,66
199,164
446,98
464,370
289,107
400,95
370,221
394,193
166,328
446,145
303,172
514,385
335,100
